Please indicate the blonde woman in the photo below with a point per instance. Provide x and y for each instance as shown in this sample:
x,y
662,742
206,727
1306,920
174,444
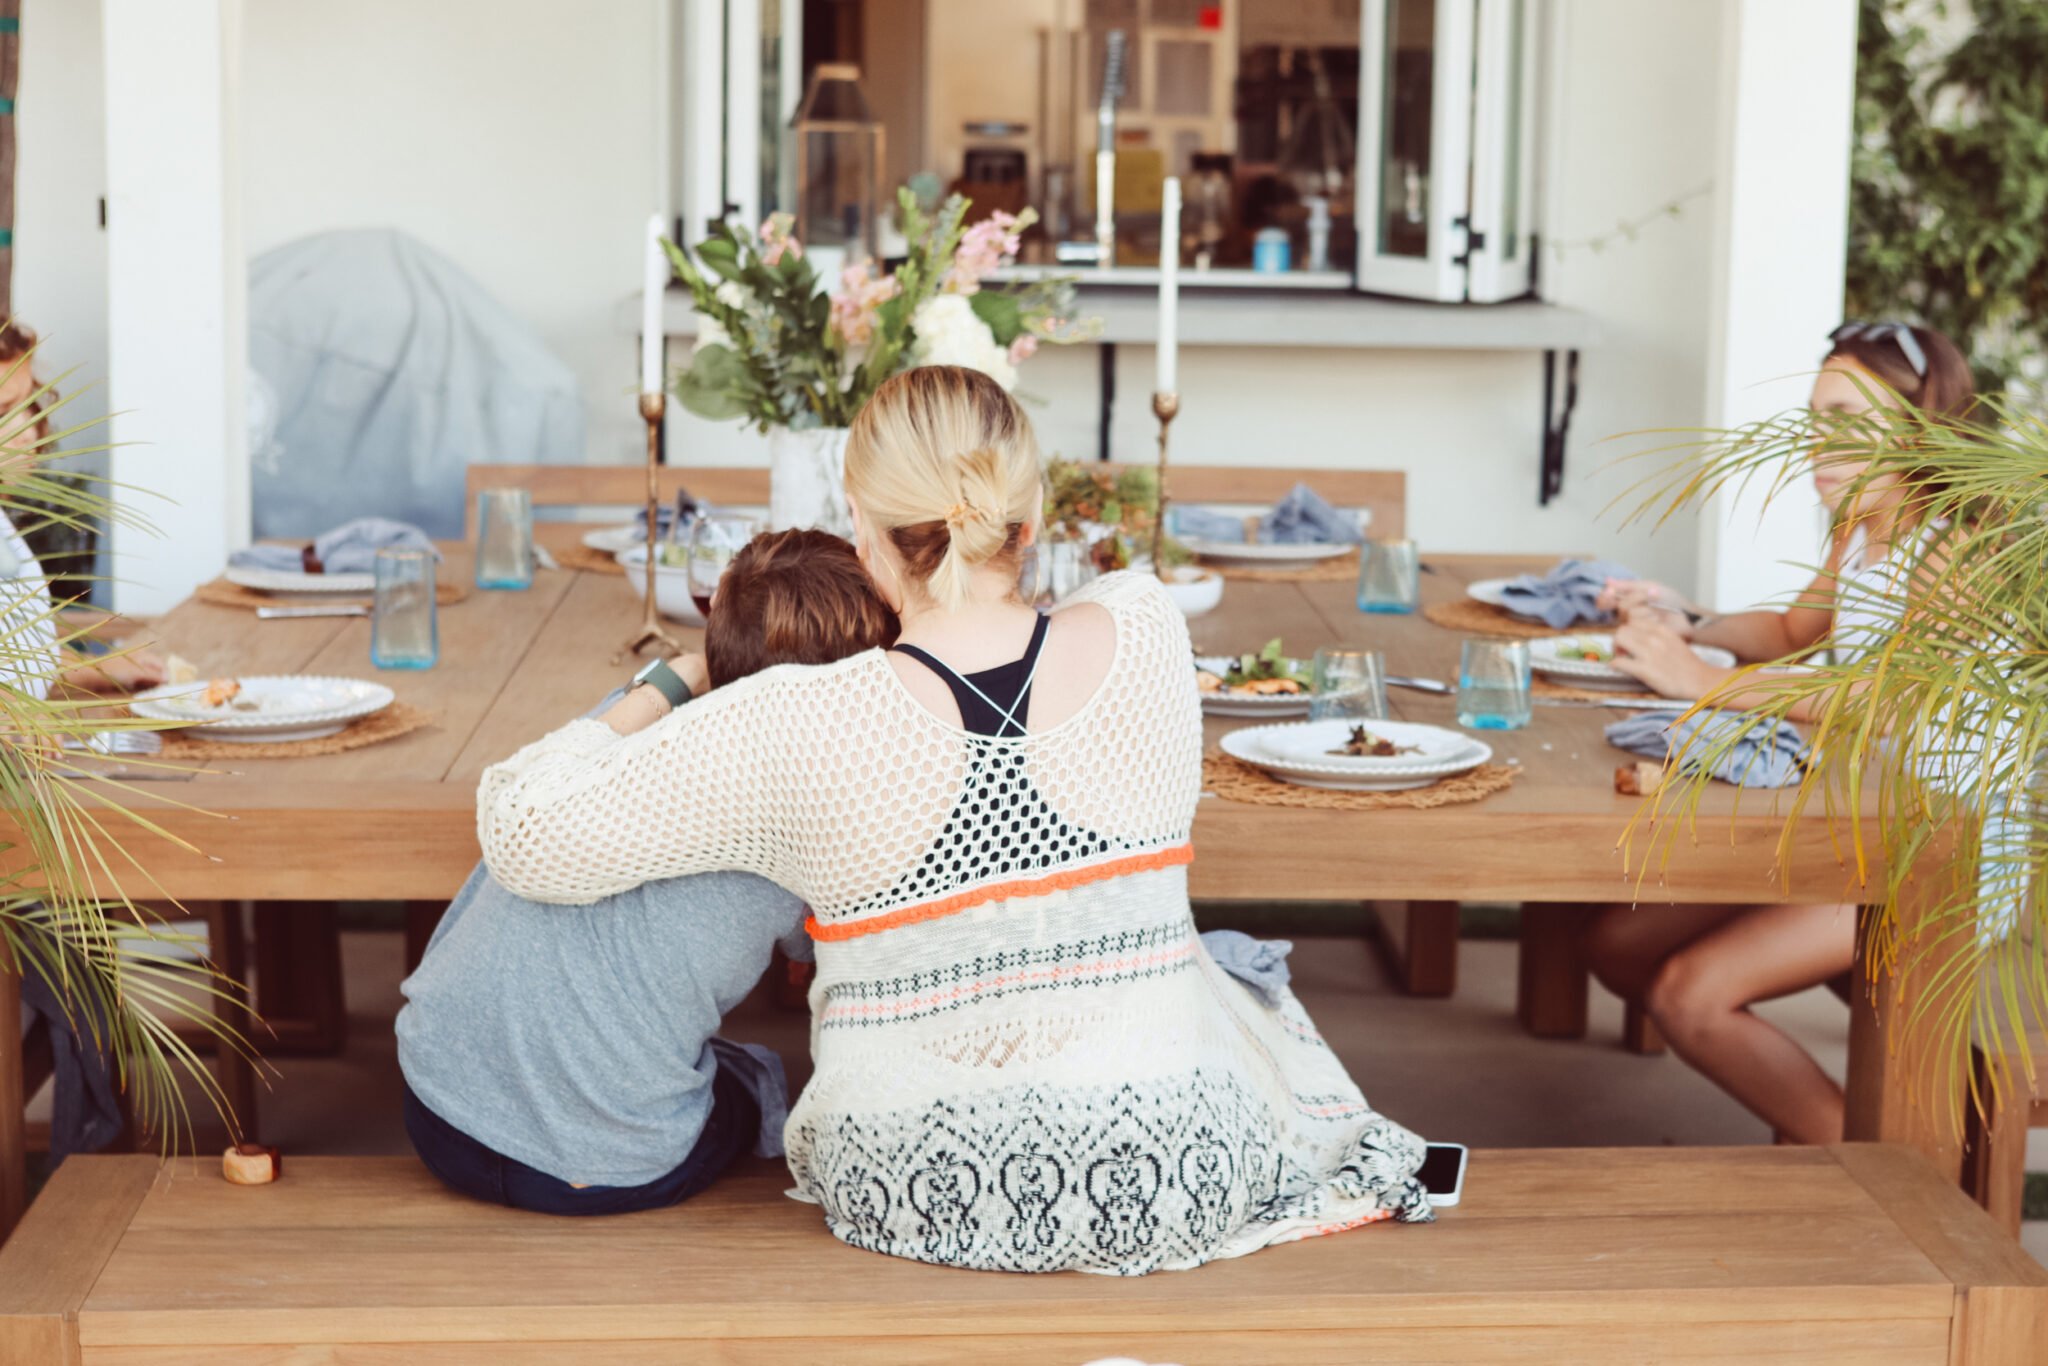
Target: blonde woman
x,y
1025,1059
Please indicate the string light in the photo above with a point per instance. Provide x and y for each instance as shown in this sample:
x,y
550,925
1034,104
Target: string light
x,y
1630,228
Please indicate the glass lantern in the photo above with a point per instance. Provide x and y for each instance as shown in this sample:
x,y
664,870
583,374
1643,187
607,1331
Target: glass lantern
x,y
838,164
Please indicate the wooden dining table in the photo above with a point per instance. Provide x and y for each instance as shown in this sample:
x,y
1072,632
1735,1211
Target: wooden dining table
x,y
397,820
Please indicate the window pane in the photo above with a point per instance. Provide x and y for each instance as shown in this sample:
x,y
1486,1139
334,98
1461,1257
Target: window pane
x,y
1404,152
1183,79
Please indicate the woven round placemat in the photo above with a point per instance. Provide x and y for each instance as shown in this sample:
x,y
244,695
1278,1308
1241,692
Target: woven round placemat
x,y
1342,569
1472,617
400,718
1541,687
582,558
1237,781
221,593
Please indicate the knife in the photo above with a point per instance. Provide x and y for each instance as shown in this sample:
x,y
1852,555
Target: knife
x,y
1623,703
325,609
1436,686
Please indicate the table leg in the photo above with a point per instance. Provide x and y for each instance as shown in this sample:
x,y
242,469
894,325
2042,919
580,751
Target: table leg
x,y
1553,983
422,918
299,989
13,1122
1639,1033
1902,1086
1420,942
227,946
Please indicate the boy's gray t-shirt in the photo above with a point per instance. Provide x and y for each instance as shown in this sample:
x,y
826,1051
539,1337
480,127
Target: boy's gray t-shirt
x,y
575,1039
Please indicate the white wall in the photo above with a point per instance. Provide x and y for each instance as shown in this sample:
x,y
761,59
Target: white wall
x,y
519,138
60,253
516,137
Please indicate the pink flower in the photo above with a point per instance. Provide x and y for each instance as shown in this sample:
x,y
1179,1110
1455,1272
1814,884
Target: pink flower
x,y
860,296
983,248
1023,349
777,238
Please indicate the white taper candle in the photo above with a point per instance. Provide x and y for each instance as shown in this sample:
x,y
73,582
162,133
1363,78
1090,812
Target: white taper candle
x,y
1169,287
655,284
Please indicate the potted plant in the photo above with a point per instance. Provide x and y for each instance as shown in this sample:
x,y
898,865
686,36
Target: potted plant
x,y
101,957
797,357
1939,736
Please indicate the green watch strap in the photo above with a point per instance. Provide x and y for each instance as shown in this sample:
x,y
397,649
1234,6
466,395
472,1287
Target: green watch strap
x,y
664,680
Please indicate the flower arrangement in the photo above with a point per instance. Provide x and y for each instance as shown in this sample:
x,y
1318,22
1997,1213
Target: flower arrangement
x,y
776,349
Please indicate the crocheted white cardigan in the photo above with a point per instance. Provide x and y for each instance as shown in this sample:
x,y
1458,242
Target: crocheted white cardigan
x,y
1025,1060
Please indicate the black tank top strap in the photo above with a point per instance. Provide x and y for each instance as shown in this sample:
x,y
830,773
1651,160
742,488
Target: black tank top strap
x,y
993,702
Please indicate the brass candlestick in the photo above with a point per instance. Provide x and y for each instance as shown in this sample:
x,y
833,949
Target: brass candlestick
x,y
1165,407
651,632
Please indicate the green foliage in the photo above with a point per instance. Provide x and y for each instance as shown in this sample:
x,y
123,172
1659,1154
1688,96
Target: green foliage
x,y
1949,184
103,958
1928,752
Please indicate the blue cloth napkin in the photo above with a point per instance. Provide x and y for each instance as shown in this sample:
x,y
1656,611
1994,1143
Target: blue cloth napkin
x,y
350,548
1565,596
1305,517
1203,524
1766,756
1261,964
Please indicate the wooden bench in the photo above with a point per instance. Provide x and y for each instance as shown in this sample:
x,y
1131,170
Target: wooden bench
x,y
625,486
1852,1254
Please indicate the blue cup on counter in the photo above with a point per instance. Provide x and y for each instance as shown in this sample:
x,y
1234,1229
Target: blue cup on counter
x,y
404,633
1272,252
1389,576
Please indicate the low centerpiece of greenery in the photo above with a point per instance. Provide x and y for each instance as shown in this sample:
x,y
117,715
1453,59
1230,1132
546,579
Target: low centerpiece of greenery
x,y
1938,736
1111,510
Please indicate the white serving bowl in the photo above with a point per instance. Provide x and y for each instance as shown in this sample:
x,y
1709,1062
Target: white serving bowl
x,y
671,585
1193,590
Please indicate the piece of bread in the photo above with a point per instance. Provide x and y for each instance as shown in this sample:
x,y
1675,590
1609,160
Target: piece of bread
x,y
1639,779
178,669
222,691
251,1164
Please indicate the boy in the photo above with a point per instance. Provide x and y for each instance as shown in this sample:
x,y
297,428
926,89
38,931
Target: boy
x,y
560,1058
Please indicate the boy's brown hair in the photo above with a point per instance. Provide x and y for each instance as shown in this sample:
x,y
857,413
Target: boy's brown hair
x,y
793,597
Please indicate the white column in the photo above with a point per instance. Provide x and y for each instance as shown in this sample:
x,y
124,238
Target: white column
x,y
177,292
1780,244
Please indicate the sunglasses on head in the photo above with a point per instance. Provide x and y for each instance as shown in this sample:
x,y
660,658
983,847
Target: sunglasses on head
x,y
1898,334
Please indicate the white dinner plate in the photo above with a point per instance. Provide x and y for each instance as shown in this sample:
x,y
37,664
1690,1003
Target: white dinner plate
x,y
298,581
613,539
1251,552
1544,658
1261,747
1250,704
270,707
1492,592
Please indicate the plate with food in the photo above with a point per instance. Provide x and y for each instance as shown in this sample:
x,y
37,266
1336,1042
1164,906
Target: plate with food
x,y
264,708
1358,755
298,581
1268,683
1588,658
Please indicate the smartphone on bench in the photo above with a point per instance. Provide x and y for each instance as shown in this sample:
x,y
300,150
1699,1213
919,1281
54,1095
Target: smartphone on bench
x,y
1443,1172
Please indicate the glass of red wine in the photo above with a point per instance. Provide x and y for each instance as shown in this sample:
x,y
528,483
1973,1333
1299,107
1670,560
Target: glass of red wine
x,y
714,540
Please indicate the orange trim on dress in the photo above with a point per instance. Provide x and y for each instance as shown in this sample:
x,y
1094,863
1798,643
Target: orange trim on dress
x,y
1064,880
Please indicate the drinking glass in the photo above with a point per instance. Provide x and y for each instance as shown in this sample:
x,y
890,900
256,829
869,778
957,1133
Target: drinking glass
x,y
714,540
1493,685
1067,564
403,632
1349,685
1389,577
504,539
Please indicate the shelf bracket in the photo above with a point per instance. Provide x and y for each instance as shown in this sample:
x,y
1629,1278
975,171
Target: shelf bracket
x,y
1557,421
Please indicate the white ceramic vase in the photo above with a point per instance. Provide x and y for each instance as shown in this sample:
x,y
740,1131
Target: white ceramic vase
x,y
807,480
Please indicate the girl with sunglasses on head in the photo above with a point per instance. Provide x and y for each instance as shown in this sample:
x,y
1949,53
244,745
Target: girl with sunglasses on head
x,y
1697,969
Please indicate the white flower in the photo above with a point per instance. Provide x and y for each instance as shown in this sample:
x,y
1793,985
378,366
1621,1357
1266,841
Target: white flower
x,y
710,333
734,296
949,333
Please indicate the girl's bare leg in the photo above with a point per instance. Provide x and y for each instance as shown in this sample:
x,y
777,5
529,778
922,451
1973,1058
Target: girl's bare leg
x,y
1626,945
1700,999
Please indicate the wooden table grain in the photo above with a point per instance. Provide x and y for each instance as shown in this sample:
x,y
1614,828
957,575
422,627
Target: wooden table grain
x,y
397,821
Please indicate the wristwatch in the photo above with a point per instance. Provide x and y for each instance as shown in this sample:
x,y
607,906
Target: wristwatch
x,y
656,674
